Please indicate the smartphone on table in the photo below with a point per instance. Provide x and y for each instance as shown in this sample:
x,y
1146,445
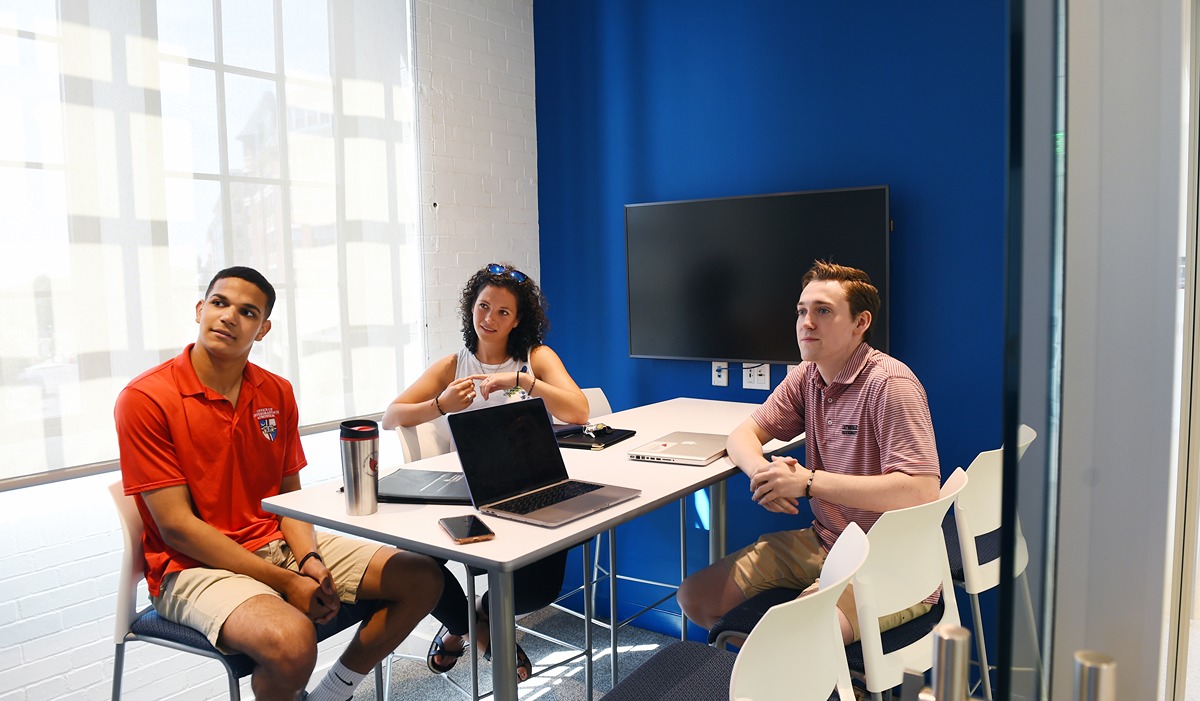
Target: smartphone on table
x,y
466,529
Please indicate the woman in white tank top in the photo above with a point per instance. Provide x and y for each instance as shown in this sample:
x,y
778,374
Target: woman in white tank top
x,y
503,359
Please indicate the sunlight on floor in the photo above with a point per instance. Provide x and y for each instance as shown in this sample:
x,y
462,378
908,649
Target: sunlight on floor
x,y
547,679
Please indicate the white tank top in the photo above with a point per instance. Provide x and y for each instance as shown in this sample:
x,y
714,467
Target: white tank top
x,y
467,364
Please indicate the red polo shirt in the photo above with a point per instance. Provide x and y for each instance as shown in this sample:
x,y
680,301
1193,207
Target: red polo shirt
x,y
173,430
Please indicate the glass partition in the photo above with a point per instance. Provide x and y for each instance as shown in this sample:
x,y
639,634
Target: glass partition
x,y
1033,328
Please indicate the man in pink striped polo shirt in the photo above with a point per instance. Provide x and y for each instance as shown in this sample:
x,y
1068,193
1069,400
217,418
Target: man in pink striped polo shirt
x,y
869,448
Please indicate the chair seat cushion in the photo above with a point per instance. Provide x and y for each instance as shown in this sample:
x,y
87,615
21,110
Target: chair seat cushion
x,y
742,619
150,627
682,671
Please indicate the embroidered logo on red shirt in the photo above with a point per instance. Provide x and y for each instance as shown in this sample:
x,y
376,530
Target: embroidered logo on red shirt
x,y
849,429
266,422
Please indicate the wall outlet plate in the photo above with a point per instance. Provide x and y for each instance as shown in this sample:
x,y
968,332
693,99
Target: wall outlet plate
x,y
756,376
720,374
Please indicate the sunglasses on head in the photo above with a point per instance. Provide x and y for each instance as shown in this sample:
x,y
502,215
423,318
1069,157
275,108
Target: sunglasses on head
x,y
497,269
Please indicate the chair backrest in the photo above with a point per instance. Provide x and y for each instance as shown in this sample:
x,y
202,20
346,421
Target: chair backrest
x,y
133,563
977,513
425,440
906,564
809,623
597,402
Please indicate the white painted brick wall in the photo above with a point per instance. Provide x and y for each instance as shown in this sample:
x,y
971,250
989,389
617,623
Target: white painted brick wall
x,y
479,149
60,543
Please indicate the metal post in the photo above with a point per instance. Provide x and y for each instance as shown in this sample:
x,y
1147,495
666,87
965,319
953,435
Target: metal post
x,y
589,613
683,621
951,663
614,623
472,635
1095,676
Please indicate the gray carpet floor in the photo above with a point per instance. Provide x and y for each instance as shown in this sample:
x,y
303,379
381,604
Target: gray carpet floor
x,y
412,681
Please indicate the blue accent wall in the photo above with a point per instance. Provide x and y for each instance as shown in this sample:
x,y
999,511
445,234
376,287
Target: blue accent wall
x,y
651,100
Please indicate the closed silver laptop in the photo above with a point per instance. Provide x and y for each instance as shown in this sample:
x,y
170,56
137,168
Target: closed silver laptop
x,y
682,448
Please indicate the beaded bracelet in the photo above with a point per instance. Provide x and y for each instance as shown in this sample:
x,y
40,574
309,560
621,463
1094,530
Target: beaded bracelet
x,y
808,486
438,406
531,386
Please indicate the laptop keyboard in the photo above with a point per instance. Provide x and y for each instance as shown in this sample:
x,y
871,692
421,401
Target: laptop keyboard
x,y
529,503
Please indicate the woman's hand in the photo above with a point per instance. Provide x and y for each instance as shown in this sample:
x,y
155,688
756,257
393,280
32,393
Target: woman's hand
x,y
497,382
458,395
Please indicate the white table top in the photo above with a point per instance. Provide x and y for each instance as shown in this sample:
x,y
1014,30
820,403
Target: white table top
x,y
414,526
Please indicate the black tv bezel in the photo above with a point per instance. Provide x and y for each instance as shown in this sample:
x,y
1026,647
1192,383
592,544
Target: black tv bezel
x,y
880,331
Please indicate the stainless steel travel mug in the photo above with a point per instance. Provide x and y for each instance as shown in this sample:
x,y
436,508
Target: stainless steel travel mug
x,y
360,466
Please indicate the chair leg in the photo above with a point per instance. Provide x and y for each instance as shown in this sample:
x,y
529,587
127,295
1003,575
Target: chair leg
x,y
235,685
985,671
381,691
118,671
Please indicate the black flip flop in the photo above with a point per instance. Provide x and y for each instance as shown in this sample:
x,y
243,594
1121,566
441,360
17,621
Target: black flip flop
x,y
437,648
523,663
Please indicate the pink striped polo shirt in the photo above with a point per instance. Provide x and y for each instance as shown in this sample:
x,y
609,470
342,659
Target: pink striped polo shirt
x,y
871,420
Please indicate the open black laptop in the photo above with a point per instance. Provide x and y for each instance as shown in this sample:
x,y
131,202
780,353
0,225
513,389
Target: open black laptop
x,y
515,470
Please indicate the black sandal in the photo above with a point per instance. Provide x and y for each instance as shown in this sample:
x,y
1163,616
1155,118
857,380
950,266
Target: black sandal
x,y
523,663
437,648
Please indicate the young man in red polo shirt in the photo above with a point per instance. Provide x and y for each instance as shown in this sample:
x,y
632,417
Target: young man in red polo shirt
x,y
203,439
869,447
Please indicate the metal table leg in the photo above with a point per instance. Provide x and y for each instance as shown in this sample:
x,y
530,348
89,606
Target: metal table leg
x,y
613,621
504,639
716,520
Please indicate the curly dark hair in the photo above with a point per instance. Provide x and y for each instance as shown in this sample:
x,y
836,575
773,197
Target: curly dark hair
x,y
531,309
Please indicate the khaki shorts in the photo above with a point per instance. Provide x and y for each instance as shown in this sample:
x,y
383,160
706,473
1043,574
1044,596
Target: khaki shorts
x,y
793,560
203,597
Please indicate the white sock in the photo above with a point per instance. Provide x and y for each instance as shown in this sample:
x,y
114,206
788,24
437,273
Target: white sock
x,y
338,685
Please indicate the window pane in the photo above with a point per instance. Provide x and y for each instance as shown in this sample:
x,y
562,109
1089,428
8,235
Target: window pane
x,y
310,133
136,160
40,16
306,39
189,109
249,34
258,239
31,121
185,29
252,118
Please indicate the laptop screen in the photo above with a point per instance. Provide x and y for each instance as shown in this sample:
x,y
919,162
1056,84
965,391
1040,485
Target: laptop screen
x,y
507,450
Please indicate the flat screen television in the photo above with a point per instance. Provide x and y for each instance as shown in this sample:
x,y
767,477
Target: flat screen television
x,y
718,279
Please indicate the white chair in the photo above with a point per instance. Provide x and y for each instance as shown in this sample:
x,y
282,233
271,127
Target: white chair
x,y
795,652
597,401
145,625
424,440
770,651
976,564
908,562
